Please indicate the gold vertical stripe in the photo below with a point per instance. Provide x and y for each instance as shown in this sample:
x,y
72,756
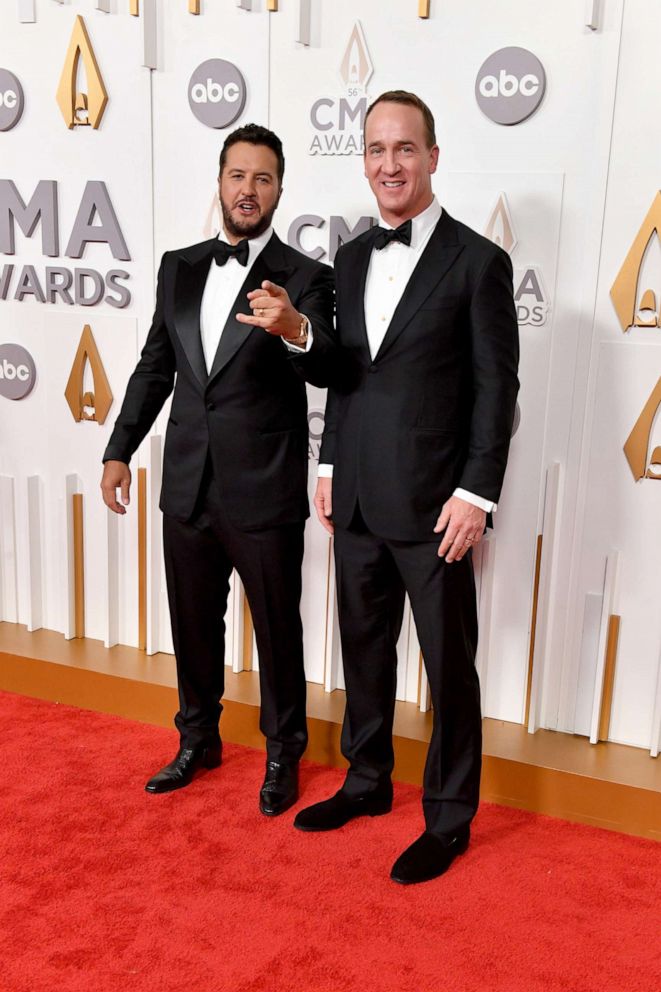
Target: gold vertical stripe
x,y
609,676
78,566
193,6
272,6
424,8
247,635
134,8
533,624
142,559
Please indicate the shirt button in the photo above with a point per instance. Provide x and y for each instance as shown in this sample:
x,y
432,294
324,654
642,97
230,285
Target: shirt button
x,y
373,368
383,318
211,406
390,278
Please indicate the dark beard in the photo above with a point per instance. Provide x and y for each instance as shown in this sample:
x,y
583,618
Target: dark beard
x,y
248,228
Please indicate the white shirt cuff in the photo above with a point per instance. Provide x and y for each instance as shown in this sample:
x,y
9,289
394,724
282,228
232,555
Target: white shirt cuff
x,y
484,504
308,344
325,472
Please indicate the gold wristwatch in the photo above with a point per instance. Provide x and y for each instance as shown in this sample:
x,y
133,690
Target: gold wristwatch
x,y
302,339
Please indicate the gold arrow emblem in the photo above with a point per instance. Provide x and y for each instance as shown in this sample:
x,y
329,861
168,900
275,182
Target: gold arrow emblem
x,y
81,109
88,405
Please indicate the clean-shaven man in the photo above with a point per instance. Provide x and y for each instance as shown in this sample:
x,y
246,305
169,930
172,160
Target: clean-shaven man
x,y
416,441
240,322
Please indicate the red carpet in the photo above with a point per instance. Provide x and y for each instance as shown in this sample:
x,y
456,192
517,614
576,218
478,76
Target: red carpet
x,y
107,889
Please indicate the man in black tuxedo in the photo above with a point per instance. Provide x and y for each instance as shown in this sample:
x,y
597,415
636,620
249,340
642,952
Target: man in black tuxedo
x,y
416,441
240,322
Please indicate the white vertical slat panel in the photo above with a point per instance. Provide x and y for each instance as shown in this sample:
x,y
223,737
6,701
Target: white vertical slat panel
x,y
8,571
403,653
34,487
27,12
150,29
610,589
413,663
581,715
425,695
71,486
234,625
154,543
656,717
484,563
333,676
111,580
541,657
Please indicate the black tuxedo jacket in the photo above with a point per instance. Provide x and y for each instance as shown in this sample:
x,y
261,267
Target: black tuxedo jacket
x,y
250,413
434,409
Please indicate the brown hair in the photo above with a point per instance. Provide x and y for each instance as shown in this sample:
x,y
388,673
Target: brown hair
x,y
409,100
255,134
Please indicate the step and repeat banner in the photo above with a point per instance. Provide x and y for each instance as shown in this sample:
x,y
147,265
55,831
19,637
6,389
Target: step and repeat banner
x,y
112,116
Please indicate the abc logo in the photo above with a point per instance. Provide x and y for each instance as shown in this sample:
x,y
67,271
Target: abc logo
x,y
11,100
217,93
510,85
17,371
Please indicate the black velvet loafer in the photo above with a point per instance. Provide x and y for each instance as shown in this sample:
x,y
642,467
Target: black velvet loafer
x,y
428,857
340,809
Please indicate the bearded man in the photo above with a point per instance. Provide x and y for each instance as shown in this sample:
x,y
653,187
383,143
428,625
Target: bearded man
x,y
240,322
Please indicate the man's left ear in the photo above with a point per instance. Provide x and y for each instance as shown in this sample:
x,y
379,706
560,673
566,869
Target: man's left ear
x,y
433,159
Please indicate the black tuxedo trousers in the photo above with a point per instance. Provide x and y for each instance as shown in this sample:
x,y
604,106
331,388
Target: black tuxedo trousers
x,y
199,557
373,575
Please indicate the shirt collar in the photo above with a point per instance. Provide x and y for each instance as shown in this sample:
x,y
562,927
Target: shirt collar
x,y
423,224
255,245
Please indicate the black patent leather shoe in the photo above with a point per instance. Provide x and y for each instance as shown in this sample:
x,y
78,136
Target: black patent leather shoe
x,y
428,857
280,788
180,772
340,809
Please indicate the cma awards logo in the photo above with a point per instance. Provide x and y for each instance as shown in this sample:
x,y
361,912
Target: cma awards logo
x,y
338,122
81,108
88,392
95,222
530,296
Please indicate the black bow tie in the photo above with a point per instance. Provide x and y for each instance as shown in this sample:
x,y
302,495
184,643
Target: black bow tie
x,y
222,251
386,235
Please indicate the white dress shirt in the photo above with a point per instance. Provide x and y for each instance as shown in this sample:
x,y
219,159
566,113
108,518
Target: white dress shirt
x,y
221,290
387,277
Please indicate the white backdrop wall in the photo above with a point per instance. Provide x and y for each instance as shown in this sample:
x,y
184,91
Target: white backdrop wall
x,y
567,189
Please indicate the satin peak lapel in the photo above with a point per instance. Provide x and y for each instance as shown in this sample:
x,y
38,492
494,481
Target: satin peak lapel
x,y
354,280
189,286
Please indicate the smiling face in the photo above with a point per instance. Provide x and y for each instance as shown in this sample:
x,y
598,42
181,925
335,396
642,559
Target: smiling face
x,y
249,190
398,162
